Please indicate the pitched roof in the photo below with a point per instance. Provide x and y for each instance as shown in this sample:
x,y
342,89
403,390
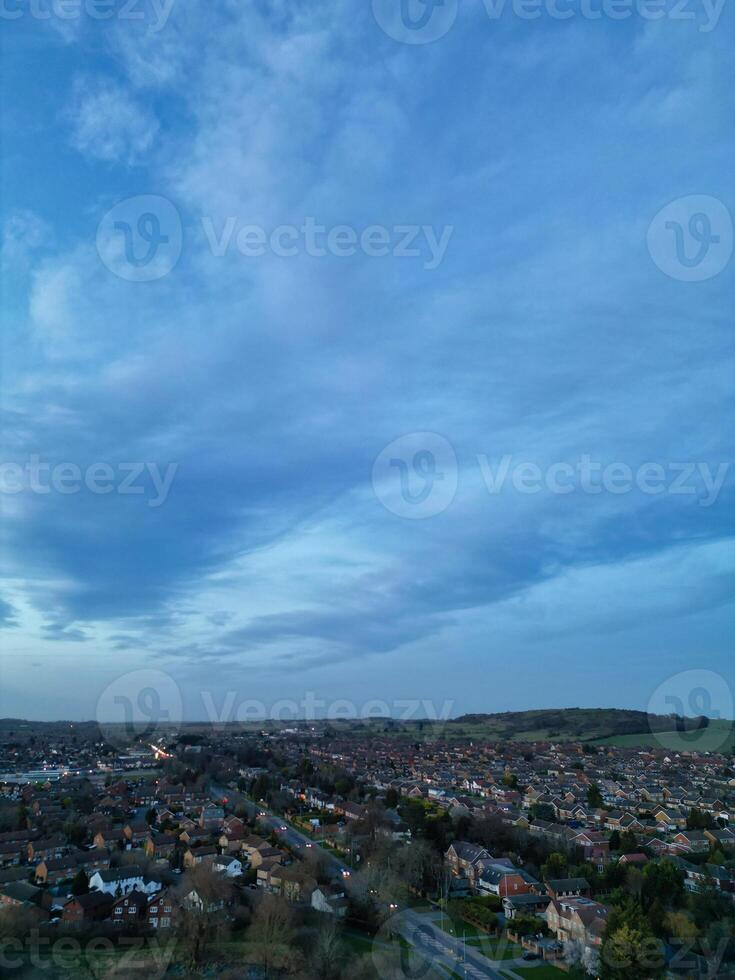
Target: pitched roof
x,y
120,874
568,884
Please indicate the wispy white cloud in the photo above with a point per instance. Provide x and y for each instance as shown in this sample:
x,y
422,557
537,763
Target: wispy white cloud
x,y
274,383
107,121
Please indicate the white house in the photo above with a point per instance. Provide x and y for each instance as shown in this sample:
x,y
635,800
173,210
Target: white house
x,y
227,865
334,903
193,900
120,881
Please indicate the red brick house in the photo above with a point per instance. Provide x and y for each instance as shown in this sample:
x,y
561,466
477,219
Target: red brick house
x,y
506,881
159,912
92,907
129,909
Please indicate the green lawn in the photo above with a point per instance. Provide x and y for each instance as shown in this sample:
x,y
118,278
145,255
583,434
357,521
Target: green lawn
x,y
493,947
541,972
496,949
459,928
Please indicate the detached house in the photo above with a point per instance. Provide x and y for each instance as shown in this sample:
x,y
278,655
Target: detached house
x,y
211,817
333,903
129,909
293,885
559,888
503,879
227,865
467,860
577,919
159,911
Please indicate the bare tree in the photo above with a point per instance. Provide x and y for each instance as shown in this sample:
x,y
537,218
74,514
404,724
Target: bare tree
x,y
271,929
202,898
328,950
420,865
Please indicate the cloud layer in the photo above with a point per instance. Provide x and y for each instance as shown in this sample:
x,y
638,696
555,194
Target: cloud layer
x,y
274,382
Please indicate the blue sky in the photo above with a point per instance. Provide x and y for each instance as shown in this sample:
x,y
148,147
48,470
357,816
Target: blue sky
x,y
550,326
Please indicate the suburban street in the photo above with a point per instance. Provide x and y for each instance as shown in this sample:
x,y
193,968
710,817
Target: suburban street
x,y
291,837
417,928
437,946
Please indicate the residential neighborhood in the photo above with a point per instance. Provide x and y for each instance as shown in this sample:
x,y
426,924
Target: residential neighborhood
x,y
542,852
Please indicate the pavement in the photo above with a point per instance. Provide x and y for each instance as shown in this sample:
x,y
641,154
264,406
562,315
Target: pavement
x,y
418,929
438,946
290,836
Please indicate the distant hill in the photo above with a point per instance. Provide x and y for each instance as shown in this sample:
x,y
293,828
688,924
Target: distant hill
x,y
611,726
583,724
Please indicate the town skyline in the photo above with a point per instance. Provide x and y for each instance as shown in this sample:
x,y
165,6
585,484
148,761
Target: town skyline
x,y
328,849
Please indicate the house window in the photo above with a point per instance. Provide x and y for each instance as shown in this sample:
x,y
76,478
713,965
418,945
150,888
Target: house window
x,y
118,911
165,922
131,910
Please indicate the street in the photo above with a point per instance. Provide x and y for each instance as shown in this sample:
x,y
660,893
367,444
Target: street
x,y
437,946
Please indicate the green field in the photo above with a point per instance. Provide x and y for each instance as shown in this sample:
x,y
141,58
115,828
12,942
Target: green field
x,y
718,736
598,726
